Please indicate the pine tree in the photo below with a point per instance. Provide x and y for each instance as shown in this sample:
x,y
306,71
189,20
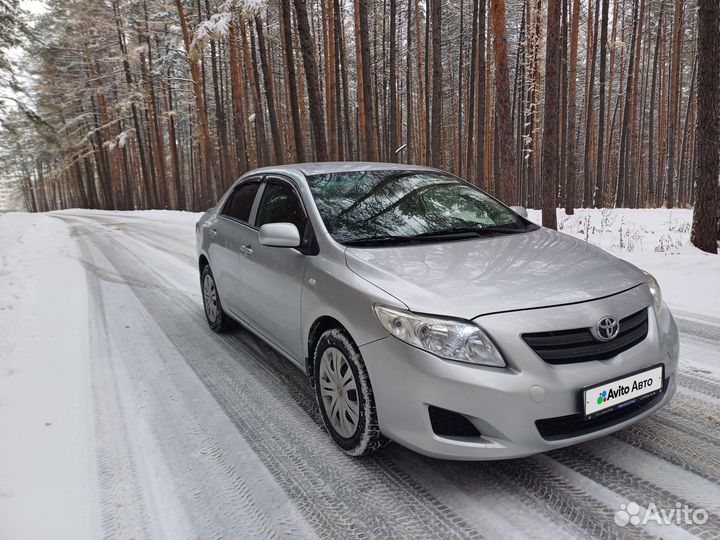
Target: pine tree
x,y
705,217
551,125
504,144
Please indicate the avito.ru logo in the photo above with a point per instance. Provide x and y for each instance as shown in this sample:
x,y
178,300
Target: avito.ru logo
x,y
682,514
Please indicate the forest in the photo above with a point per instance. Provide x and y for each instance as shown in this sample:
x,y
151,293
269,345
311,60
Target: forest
x,y
136,104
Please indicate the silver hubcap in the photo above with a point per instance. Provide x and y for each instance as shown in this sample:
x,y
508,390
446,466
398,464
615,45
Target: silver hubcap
x,y
210,296
339,393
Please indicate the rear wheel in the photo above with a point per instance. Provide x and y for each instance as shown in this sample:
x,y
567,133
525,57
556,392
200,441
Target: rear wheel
x,y
217,319
344,394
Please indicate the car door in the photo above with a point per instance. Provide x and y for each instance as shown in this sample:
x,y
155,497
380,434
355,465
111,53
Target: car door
x,y
232,230
275,274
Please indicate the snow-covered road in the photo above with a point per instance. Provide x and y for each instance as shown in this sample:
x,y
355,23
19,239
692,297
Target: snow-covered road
x,y
145,424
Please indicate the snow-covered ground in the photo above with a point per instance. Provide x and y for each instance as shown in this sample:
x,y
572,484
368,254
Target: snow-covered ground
x,y
122,415
47,482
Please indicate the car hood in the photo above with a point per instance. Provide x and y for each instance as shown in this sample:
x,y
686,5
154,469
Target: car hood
x,y
469,278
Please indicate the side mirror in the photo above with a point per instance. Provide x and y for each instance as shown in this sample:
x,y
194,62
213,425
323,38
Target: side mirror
x,y
520,210
279,235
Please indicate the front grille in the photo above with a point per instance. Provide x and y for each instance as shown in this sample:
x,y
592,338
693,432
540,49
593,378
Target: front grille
x,y
579,345
575,425
451,424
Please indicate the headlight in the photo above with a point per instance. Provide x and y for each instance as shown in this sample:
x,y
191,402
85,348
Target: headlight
x,y
447,338
655,291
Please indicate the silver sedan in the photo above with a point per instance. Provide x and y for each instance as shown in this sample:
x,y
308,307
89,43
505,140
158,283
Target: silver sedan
x,y
426,312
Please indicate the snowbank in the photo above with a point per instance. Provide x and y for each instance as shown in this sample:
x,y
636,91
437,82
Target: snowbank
x,y
46,454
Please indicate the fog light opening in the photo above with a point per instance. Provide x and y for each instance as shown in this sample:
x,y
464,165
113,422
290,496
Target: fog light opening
x,y
451,424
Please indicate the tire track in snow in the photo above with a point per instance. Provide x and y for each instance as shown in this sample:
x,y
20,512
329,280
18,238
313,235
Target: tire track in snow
x,y
702,385
674,446
707,327
713,440
500,508
681,483
567,499
696,414
629,486
118,477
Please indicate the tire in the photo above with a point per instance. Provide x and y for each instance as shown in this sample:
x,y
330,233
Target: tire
x,y
347,409
217,319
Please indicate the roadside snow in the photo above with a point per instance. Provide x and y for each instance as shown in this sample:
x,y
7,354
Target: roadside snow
x,y
658,241
46,458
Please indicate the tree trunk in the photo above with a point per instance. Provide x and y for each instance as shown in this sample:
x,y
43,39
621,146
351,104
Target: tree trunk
x,y
237,101
207,154
269,96
251,65
571,197
409,140
331,82
422,109
705,217
291,80
146,187
307,45
365,94
562,170
625,138
481,105
179,196
551,124
682,190
597,198
343,143
469,165
503,119
651,201
392,101
589,105
458,151
437,85
673,100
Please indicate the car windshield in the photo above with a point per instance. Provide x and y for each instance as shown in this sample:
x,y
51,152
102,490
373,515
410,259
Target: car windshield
x,y
381,206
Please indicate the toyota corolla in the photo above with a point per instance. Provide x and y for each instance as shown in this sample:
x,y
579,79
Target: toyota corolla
x,y
426,312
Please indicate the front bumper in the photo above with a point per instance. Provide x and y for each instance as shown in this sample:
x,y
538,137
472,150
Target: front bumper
x,y
504,404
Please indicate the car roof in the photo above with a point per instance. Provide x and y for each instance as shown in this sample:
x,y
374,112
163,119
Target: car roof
x,y
328,167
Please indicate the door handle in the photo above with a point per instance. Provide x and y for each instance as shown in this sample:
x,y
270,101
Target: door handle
x,y
247,250
212,232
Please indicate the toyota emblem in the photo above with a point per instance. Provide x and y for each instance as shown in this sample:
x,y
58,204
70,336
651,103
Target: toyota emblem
x,y
607,328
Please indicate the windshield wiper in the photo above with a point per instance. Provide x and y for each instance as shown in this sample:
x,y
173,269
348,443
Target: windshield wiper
x,y
381,239
460,232
469,231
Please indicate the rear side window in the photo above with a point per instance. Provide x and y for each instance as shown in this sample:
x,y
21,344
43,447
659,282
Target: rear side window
x,y
241,201
280,203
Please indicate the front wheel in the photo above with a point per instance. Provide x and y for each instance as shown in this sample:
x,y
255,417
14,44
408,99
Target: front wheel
x,y
344,394
217,319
